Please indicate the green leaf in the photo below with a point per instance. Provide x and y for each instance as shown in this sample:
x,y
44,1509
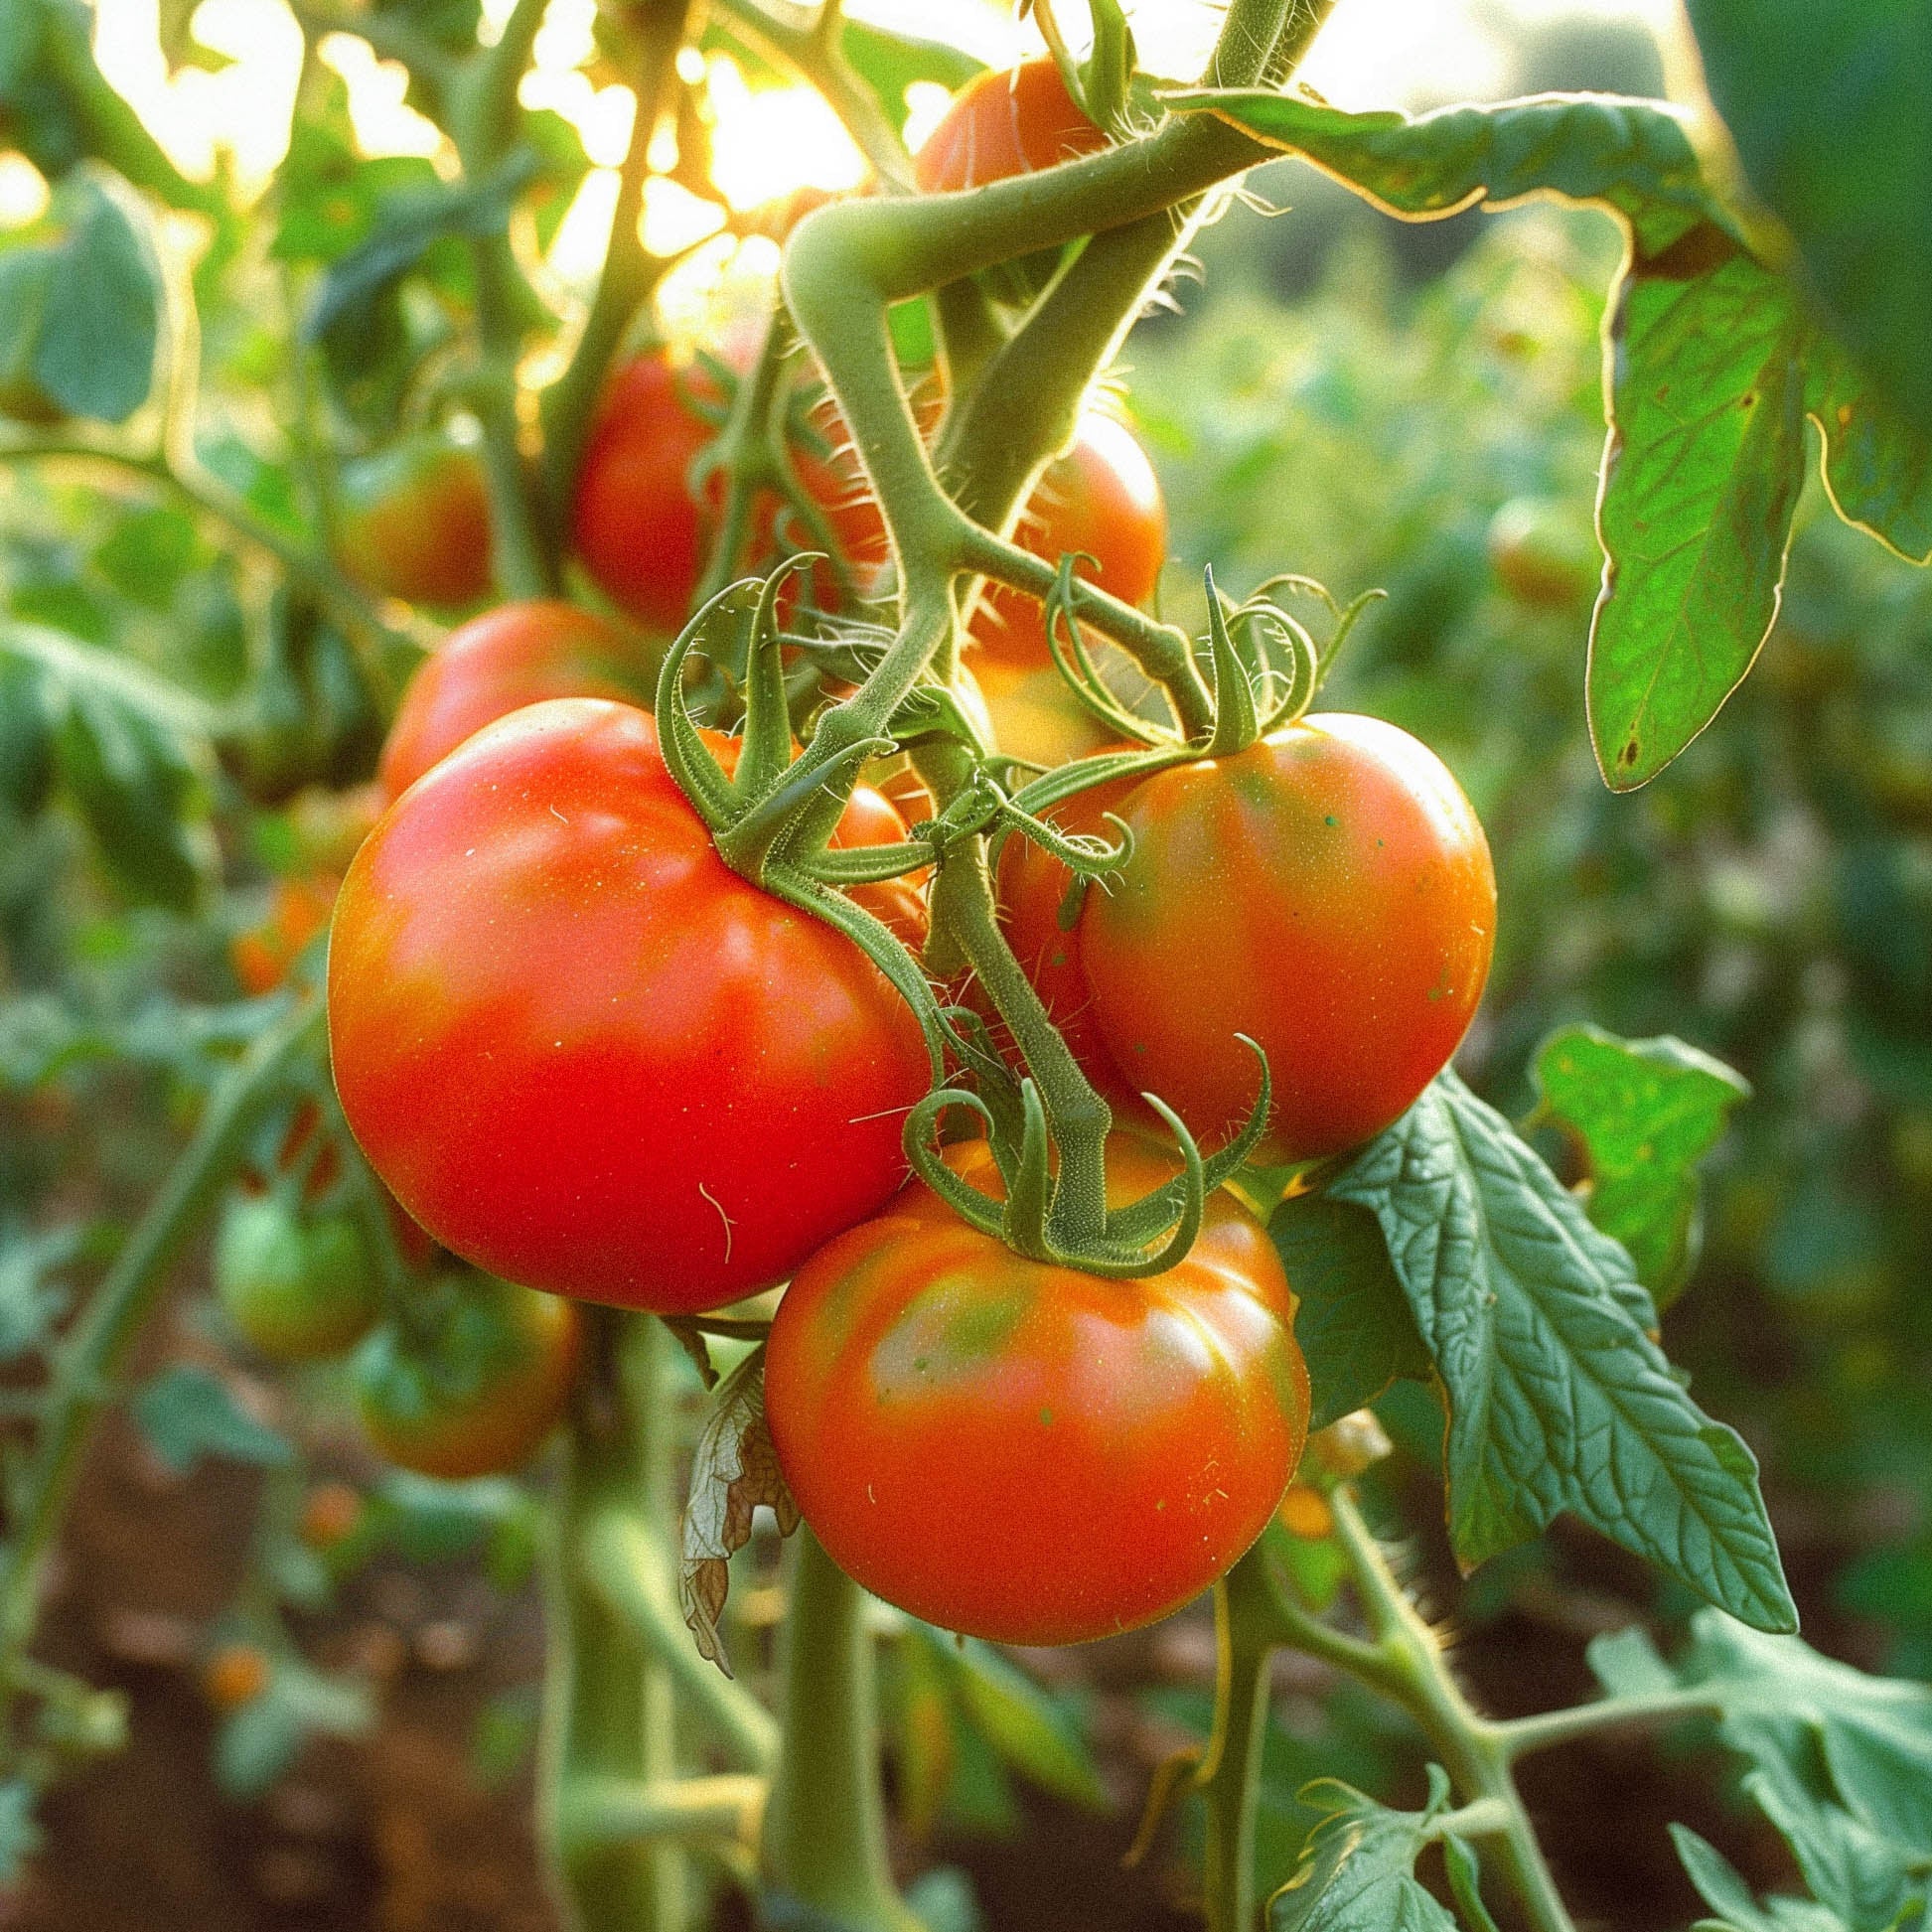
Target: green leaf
x,y
1701,474
1559,1398
100,315
1719,1884
1710,366
121,738
1877,467
260,1740
186,1413
1633,157
1840,1763
406,228
20,1835
1829,108
1647,1113
329,195
1353,1324
1029,1729
1358,1868
29,1304
1465,1872
889,62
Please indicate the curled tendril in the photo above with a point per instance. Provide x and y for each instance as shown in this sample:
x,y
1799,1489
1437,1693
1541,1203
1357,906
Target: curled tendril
x,y
1067,643
1304,672
977,1210
699,775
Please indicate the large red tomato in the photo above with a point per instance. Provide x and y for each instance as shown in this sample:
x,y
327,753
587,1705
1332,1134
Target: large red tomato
x,y
516,655
1001,123
1022,1452
1102,498
1327,892
415,522
587,1055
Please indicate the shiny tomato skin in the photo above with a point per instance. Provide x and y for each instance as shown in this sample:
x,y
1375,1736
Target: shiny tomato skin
x,y
585,1054
1024,1453
1100,498
1003,122
638,530
478,1392
516,655
415,522
1328,892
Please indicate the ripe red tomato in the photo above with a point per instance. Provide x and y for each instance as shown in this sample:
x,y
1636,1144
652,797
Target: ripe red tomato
x,y
587,1055
1327,892
415,522
642,535
477,1391
1102,498
1025,1452
638,530
516,655
1004,122
263,955
298,1289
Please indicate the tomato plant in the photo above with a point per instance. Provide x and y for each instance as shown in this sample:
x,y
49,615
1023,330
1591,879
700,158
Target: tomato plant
x,y
1023,1451
585,1054
976,1026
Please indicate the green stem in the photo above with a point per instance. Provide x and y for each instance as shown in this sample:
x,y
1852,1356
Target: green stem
x,y
570,403
1229,1778
622,1559
1519,1736
609,1717
88,1372
823,1848
1470,1749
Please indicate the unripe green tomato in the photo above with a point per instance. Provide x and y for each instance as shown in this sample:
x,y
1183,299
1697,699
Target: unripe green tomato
x,y
1543,553
476,1389
299,1290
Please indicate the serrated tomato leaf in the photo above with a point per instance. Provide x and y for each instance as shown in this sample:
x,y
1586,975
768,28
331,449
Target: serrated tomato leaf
x,y
1829,108
734,1468
1647,1111
1712,364
1353,1322
1559,1398
186,1413
1358,1868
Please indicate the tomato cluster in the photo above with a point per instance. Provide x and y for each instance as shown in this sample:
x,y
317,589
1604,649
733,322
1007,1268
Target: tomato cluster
x,y
591,1058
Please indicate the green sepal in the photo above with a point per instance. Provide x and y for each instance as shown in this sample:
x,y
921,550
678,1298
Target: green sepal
x,y
1236,725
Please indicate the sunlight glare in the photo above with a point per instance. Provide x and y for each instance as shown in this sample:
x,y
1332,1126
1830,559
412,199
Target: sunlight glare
x,y
23,191
382,122
772,140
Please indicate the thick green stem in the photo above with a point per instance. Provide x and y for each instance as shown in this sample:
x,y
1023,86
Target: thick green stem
x,y
823,1847
1229,1778
570,403
609,1717
88,1372
1470,1748
624,1559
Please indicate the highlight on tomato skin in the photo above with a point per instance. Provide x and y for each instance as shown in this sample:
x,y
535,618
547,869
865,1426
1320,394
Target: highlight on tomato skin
x,y
1327,892
1004,122
516,655
586,1055
1023,1452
